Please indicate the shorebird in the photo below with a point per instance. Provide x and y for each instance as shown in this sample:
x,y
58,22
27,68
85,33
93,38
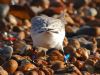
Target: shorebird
x,y
47,32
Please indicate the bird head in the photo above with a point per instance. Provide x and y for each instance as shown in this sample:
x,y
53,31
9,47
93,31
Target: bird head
x,y
46,24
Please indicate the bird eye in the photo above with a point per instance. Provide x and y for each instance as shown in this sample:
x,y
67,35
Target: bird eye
x,y
40,31
55,32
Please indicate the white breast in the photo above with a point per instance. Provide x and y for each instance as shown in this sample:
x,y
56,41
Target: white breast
x,y
48,40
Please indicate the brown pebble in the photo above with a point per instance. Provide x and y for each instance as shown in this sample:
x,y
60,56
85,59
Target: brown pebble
x,y
5,2
79,64
41,61
90,62
11,66
75,43
2,71
17,57
18,73
27,67
33,72
76,70
21,35
65,42
56,55
82,53
42,73
56,65
51,71
46,71
97,31
86,73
